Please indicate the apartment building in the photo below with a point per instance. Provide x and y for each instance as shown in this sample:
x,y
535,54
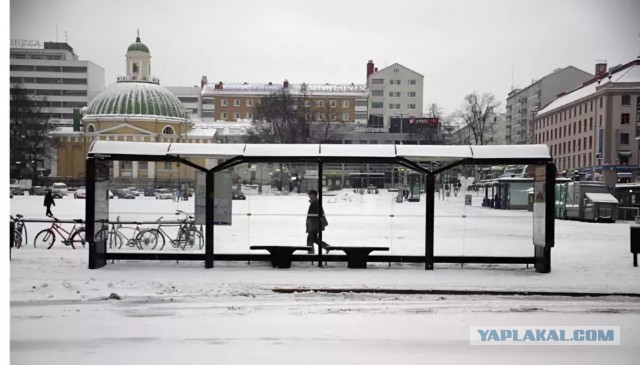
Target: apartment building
x,y
191,99
346,103
522,104
593,129
395,92
54,76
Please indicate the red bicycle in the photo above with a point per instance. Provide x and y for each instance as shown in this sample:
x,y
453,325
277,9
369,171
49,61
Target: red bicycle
x,y
47,237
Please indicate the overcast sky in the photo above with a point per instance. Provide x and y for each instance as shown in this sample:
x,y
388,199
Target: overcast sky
x,y
459,46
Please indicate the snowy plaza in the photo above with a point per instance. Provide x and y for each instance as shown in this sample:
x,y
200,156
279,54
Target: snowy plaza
x,y
60,310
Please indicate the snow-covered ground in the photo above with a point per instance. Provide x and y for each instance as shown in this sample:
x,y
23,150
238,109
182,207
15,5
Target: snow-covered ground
x,y
175,312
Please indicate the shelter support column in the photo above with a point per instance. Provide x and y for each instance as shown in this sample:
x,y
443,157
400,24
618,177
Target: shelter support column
x,y
97,250
429,216
543,253
208,232
320,210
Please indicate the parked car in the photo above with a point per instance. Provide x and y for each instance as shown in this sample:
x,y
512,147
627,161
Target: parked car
x,y
10,194
110,194
16,189
149,191
163,194
59,190
81,193
125,194
38,190
134,190
238,195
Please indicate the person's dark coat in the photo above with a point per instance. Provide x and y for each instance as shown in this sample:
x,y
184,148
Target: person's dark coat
x,y
312,217
48,200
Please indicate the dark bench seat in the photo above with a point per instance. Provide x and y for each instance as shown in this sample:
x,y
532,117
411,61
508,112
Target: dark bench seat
x,y
281,255
356,255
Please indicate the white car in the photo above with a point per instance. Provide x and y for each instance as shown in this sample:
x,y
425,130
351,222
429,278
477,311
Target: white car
x,y
163,194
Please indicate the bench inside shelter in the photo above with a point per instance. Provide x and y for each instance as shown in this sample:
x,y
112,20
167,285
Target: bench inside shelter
x,y
281,255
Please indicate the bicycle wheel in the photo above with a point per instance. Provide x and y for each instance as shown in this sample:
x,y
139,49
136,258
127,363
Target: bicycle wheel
x,y
148,239
17,239
111,238
44,239
23,233
191,238
78,238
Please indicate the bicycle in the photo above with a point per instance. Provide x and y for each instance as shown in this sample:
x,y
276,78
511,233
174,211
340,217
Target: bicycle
x,y
20,231
116,238
47,237
188,234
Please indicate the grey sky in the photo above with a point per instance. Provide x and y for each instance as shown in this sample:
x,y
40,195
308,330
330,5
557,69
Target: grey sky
x,y
459,46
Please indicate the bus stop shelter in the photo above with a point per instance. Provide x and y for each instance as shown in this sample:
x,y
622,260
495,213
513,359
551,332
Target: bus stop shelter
x,y
430,160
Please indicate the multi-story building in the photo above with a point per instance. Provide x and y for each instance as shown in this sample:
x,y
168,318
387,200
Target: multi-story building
x,y
327,102
395,92
191,99
522,104
54,76
593,129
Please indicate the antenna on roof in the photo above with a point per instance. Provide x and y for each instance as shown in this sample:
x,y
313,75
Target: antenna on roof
x,y
512,77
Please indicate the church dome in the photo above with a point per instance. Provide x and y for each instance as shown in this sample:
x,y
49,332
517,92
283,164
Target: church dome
x,y
138,46
137,99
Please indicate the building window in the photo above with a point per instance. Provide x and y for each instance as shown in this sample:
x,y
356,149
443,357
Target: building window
x,y
91,128
332,117
412,82
377,93
307,103
345,103
601,102
223,116
236,102
319,117
333,103
236,115
600,123
590,123
411,94
376,105
377,81
168,130
396,70
590,142
579,127
249,116
390,106
626,99
391,94
412,106
345,117
625,118
167,165
320,103
591,105
224,102
624,138
249,102
143,165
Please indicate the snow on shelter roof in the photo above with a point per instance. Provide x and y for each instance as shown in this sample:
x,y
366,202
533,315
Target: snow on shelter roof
x,y
411,152
602,198
433,152
540,151
129,148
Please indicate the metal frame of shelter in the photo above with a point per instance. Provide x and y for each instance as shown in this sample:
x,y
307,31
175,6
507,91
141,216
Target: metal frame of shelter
x,y
410,156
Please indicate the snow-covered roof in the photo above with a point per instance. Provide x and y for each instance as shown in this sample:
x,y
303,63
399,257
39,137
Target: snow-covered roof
x,y
626,75
294,89
414,153
602,198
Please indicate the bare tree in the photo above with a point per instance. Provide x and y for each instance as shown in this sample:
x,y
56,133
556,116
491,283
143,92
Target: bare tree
x,y
477,115
434,111
30,140
278,119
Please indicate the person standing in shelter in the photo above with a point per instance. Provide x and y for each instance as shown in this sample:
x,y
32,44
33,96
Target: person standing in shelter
x,y
48,202
313,226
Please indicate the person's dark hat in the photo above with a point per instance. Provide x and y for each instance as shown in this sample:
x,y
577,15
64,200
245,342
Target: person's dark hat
x,y
312,192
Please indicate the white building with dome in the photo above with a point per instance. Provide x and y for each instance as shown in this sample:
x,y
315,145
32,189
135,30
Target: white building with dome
x,y
135,108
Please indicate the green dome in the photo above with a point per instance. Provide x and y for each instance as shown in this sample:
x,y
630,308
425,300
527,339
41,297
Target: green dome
x,y
138,46
137,98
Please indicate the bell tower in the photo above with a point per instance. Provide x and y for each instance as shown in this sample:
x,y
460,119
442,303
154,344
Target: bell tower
x,y
138,61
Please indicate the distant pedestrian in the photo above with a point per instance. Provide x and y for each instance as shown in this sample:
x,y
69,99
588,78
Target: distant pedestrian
x,y
313,226
48,202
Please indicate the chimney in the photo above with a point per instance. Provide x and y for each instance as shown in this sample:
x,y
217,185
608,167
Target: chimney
x,y
376,69
218,86
285,84
204,81
601,68
369,68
